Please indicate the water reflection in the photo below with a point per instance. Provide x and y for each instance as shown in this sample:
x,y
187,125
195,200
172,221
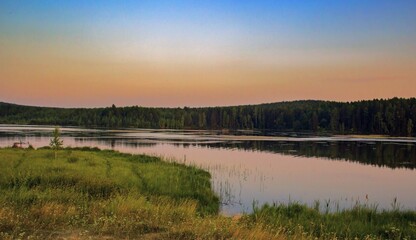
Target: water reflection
x,y
265,168
382,154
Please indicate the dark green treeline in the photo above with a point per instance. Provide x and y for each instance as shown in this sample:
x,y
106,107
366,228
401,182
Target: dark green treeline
x,y
395,116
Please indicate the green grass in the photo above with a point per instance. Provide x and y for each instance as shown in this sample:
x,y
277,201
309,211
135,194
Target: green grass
x,y
87,193
360,222
98,191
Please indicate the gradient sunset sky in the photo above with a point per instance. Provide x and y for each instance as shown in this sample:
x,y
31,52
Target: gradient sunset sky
x,y
205,53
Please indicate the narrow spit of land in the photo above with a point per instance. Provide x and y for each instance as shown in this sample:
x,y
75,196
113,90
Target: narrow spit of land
x,y
92,194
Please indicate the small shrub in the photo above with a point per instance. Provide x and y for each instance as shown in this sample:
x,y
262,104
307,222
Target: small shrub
x,y
72,159
44,148
88,149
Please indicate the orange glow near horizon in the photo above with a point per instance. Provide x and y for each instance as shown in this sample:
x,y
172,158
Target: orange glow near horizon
x,y
90,61
54,81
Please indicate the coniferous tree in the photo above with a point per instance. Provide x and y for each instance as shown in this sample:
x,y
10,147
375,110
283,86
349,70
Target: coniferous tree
x,y
394,117
56,143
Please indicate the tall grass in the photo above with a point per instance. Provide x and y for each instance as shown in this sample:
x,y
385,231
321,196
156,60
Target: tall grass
x,y
360,222
87,193
101,191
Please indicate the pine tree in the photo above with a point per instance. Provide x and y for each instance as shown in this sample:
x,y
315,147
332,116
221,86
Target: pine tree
x,y
56,143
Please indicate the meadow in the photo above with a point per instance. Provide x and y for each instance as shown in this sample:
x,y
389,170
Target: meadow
x,y
87,193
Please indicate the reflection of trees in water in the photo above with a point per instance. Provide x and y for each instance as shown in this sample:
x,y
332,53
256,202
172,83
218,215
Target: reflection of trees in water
x,y
115,142
383,154
386,154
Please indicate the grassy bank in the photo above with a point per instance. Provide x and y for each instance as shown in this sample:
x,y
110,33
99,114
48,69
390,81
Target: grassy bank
x,y
361,222
88,193
102,192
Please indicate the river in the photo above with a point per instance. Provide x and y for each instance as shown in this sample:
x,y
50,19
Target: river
x,y
264,167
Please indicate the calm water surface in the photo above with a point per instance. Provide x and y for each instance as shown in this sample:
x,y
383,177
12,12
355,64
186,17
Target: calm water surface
x,y
249,167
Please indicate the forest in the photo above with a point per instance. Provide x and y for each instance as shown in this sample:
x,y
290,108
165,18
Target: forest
x,y
394,117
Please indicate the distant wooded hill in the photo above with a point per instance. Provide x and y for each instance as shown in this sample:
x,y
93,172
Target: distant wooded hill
x,y
395,116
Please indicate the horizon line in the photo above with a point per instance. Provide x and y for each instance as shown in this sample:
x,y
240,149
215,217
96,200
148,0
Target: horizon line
x,y
218,106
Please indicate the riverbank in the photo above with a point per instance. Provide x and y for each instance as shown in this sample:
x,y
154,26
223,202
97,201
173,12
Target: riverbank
x,y
89,193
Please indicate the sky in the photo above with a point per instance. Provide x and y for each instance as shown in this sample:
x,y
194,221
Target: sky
x,y
206,52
